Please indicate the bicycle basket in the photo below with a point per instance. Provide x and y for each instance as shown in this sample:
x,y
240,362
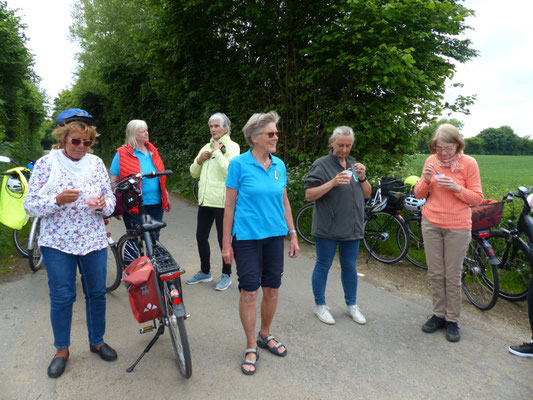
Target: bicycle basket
x,y
487,215
391,184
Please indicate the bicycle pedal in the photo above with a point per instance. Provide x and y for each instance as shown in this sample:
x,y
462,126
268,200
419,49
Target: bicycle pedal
x,y
146,329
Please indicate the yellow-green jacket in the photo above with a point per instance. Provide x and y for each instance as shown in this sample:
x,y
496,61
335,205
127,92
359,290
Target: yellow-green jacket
x,y
213,172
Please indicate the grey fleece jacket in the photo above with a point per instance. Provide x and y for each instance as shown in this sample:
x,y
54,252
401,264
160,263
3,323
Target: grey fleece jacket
x,y
339,214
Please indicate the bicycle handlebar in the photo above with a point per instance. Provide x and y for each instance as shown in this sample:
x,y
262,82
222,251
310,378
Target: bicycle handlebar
x,y
132,180
523,192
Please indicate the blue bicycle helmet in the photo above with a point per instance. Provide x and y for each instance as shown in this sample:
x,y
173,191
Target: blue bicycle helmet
x,y
75,114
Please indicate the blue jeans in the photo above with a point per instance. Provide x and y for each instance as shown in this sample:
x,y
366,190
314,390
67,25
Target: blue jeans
x,y
61,270
153,210
325,251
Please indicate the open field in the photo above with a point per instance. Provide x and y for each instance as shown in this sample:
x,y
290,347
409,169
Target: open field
x,y
499,174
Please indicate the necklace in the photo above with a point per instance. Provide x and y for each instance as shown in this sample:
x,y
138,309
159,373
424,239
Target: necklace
x,y
265,162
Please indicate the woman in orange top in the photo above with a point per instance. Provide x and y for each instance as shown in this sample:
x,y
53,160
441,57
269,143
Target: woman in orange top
x,y
453,180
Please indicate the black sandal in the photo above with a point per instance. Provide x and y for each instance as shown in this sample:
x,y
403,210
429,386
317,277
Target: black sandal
x,y
248,362
263,343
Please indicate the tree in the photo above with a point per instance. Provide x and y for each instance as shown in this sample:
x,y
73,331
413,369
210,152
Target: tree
x,y
475,145
500,140
378,66
21,102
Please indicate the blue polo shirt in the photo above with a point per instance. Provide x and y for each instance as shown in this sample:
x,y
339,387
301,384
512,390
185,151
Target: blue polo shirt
x,y
149,186
259,211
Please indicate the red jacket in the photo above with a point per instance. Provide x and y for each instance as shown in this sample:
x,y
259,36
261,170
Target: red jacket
x,y
129,164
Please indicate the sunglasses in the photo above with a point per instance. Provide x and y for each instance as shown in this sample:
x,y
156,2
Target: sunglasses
x,y
271,134
77,142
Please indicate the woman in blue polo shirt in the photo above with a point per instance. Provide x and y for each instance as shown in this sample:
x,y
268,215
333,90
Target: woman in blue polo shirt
x,y
257,217
139,155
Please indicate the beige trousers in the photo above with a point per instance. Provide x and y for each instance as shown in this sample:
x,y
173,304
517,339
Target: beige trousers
x,y
445,252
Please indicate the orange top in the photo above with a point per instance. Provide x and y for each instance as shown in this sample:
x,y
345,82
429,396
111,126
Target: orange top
x,y
445,208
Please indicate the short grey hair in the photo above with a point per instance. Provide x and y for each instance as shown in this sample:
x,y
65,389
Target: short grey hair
x,y
224,121
257,123
341,131
131,129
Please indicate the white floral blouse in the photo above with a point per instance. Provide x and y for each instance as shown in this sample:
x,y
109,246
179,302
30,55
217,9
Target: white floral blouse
x,y
72,228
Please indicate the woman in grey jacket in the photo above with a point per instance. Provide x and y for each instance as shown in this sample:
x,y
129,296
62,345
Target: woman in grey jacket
x,y
338,185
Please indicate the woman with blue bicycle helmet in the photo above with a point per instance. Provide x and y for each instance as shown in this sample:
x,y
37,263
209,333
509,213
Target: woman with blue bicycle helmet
x,y
70,191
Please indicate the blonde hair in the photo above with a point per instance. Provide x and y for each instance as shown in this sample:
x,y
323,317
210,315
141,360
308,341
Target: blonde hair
x,y
448,133
61,133
257,123
131,130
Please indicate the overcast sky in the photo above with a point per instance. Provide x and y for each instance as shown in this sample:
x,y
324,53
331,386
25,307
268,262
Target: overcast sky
x,y
501,77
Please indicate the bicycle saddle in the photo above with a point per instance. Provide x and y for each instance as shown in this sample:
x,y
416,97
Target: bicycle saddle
x,y
151,225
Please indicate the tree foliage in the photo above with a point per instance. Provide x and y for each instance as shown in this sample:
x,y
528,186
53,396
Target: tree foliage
x,y
378,66
21,102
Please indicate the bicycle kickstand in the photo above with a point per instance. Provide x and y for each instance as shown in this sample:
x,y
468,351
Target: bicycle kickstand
x,y
159,332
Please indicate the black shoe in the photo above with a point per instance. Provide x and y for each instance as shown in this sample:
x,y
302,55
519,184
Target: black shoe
x,y
524,350
57,366
433,324
105,352
452,332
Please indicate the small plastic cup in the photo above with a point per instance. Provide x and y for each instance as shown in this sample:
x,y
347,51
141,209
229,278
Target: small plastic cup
x,y
92,202
348,173
438,177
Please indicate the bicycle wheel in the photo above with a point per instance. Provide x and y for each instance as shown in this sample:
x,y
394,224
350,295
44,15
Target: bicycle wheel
x,y
178,335
304,220
386,238
514,269
416,253
129,248
114,268
477,272
35,258
195,191
21,244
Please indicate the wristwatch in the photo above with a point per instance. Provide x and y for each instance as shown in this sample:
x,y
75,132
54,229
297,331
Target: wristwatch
x,y
361,180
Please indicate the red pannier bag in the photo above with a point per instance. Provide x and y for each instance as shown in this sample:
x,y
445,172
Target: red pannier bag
x,y
144,300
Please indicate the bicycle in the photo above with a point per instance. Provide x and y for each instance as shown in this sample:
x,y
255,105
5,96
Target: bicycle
x,y
142,241
25,244
479,265
385,234
416,254
515,254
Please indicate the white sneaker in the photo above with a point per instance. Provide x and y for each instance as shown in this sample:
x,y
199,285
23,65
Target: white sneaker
x,y
355,313
323,314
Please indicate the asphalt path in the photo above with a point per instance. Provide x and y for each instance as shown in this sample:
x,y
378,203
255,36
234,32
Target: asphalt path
x,y
389,358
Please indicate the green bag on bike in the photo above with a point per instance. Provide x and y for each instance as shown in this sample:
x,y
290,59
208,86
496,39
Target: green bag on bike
x,y
12,193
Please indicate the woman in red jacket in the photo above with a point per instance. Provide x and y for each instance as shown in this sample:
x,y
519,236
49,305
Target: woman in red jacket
x,y
139,155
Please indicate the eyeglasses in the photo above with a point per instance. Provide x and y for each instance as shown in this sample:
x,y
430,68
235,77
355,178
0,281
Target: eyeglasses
x,y
271,134
447,148
77,142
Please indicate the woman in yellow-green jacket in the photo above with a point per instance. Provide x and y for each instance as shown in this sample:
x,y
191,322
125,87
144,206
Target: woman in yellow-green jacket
x,y
211,166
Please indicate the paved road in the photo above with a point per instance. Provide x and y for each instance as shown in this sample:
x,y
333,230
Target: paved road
x,y
389,358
